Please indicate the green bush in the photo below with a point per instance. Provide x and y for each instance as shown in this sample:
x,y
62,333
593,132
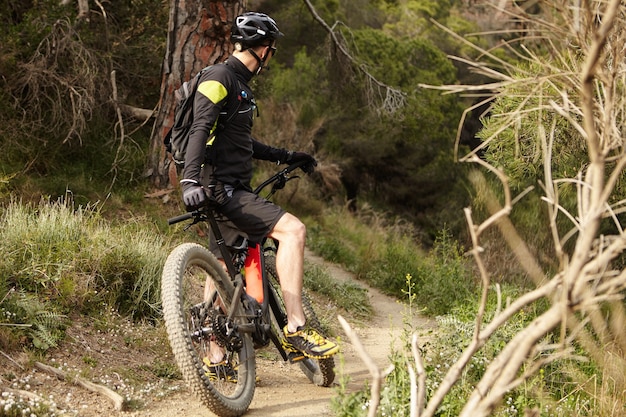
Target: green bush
x,y
445,280
62,260
552,390
392,261
384,254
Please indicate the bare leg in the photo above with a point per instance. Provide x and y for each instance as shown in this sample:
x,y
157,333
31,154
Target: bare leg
x,y
216,352
291,235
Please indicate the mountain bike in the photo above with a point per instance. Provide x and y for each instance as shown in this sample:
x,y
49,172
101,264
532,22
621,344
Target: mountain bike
x,y
233,309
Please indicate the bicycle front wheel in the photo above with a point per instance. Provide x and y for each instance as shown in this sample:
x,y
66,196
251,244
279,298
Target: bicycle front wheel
x,y
319,371
217,363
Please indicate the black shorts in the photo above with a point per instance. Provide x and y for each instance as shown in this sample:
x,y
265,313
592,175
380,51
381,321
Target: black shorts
x,y
245,214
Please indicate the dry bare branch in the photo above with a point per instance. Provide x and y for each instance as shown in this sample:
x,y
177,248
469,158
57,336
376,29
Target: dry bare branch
x,y
11,360
587,77
383,98
377,374
418,393
120,124
52,96
116,399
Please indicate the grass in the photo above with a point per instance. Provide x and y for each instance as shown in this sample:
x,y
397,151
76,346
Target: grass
x,y
59,259
383,253
349,296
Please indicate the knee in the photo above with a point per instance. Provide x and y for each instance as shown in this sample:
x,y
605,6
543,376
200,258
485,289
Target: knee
x,y
299,231
291,229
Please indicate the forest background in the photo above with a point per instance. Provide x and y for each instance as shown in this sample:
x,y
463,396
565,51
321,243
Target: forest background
x,y
79,86
390,147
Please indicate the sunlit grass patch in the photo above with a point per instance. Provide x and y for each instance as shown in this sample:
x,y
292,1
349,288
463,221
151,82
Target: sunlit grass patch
x,y
68,259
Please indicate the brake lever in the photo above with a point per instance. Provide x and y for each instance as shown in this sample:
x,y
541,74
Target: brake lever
x,y
196,219
280,182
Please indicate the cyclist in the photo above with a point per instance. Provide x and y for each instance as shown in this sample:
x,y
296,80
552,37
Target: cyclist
x,y
218,166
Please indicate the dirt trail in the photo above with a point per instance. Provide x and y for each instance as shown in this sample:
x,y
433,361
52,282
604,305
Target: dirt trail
x,y
282,389
296,396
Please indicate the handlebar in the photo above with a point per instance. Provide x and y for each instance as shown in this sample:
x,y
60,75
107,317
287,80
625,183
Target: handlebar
x,y
182,217
280,176
279,180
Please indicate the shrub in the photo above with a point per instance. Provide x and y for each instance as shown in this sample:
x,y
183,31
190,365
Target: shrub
x,y
445,280
62,260
384,253
550,390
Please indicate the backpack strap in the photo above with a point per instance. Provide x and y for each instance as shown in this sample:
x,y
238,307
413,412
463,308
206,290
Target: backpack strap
x,y
221,125
237,85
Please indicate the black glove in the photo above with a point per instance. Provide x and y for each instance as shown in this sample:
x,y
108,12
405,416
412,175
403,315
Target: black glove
x,y
309,167
193,195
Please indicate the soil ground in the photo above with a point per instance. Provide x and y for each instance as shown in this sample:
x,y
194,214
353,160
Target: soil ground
x,y
135,362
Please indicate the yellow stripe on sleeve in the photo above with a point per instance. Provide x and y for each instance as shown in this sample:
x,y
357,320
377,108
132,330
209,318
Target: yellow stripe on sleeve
x,y
213,90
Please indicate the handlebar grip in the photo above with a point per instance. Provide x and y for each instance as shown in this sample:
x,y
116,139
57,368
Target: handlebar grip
x,y
180,218
295,165
280,175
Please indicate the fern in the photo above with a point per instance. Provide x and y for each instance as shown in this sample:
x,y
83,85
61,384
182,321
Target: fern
x,y
47,329
455,325
26,314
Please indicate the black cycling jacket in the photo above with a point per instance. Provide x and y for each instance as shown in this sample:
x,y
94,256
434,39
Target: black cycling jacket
x,y
220,135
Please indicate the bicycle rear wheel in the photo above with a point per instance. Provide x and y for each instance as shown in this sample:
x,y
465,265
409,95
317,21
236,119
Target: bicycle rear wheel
x,y
197,329
319,371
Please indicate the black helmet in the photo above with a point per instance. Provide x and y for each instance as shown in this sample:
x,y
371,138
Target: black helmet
x,y
253,29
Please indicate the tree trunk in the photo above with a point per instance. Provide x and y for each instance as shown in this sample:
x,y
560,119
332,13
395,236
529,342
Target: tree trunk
x,y
197,35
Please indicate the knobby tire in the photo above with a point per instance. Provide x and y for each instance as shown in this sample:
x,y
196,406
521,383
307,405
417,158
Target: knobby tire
x,y
183,281
321,372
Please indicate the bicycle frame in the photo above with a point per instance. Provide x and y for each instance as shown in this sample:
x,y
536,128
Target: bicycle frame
x,y
260,321
205,307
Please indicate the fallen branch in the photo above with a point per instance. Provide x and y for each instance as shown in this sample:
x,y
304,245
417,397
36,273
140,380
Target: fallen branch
x,y
23,394
116,399
11,359
136,112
